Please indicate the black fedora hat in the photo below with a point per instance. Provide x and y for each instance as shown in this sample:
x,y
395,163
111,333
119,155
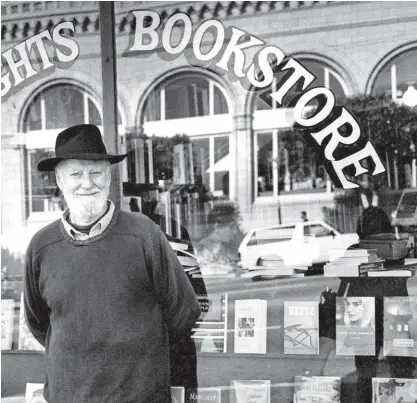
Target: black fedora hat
x,y
81,142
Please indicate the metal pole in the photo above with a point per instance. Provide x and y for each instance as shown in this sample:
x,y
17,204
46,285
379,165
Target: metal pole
x,y
109,84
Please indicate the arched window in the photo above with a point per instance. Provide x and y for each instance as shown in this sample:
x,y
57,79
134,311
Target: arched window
x,y
279,168
397,76
51,111
197,106
185,97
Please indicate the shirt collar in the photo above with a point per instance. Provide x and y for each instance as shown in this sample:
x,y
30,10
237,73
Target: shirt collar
x,y
95,230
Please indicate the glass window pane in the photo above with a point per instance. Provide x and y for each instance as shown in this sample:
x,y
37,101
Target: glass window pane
x,y
33,118
93,114
153,106
43,187
186,98
221,148
220,103
406,74
264,161
221,182
203,154
64,107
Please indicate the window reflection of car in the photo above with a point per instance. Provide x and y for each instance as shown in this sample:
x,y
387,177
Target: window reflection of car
x,y
304,243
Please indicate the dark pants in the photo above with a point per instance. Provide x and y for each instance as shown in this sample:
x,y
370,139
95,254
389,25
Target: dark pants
x,y
366,366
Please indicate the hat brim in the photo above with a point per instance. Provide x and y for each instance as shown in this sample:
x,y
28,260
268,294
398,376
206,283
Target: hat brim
x,y
50,164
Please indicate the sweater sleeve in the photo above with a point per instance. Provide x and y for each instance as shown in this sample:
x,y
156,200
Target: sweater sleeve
x,y
173,289
36,310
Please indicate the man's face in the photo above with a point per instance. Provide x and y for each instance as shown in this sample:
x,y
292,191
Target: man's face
x,y
354,308
85,186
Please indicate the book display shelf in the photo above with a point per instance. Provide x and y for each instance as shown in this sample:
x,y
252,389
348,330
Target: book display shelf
x,y
260,339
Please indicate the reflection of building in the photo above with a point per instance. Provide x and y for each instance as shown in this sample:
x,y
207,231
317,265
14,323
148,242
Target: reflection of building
x,y
351,48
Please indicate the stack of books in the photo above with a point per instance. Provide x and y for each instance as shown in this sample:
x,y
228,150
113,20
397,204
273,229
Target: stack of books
x,y
353,263
274,267
186,258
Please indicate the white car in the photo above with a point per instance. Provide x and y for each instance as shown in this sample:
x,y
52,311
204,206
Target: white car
x,y
304,243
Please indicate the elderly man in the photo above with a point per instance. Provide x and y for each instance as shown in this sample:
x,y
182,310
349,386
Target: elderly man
x,y
103,288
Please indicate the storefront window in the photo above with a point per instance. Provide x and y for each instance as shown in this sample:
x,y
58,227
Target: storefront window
x,y
397,76
51,111
185,97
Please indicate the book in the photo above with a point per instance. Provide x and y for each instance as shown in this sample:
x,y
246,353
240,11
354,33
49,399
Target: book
x,y
26,339
355,325
203,395
309,389
250,391
179,246
7,323
34,393
177,394
400,326
301,327
210,331
351,262
394,390
250,326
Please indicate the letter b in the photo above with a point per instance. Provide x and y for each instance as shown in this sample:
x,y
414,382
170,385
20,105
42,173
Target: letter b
x,y
140,16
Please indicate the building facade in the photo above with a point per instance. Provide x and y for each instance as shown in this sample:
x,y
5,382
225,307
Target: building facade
x,y
351,47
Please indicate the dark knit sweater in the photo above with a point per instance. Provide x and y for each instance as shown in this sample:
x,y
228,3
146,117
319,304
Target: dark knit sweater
x,y
104,307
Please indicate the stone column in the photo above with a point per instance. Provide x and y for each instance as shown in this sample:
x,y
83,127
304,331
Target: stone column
x,y
242,148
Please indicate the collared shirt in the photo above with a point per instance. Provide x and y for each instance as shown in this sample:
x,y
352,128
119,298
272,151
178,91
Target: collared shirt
x,y
95,230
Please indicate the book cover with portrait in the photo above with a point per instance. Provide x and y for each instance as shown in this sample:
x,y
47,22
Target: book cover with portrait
x,y
210,331
250,326
355,325
323,389
394,390
301,327
400,326
250,391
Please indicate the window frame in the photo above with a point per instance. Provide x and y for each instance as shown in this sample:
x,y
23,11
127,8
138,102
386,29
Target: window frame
x,y
212,163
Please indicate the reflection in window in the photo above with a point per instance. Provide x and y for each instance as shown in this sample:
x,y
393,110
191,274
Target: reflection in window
x,y
295,165
214,152
264,164
189,96
52,110
397,75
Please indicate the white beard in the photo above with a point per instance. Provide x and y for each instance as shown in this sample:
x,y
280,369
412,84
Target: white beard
x,y
87,207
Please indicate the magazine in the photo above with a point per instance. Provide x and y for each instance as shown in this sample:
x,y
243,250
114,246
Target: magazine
x,y
355,325
252,391
400,326
301,327
250,326
394,390
311,389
